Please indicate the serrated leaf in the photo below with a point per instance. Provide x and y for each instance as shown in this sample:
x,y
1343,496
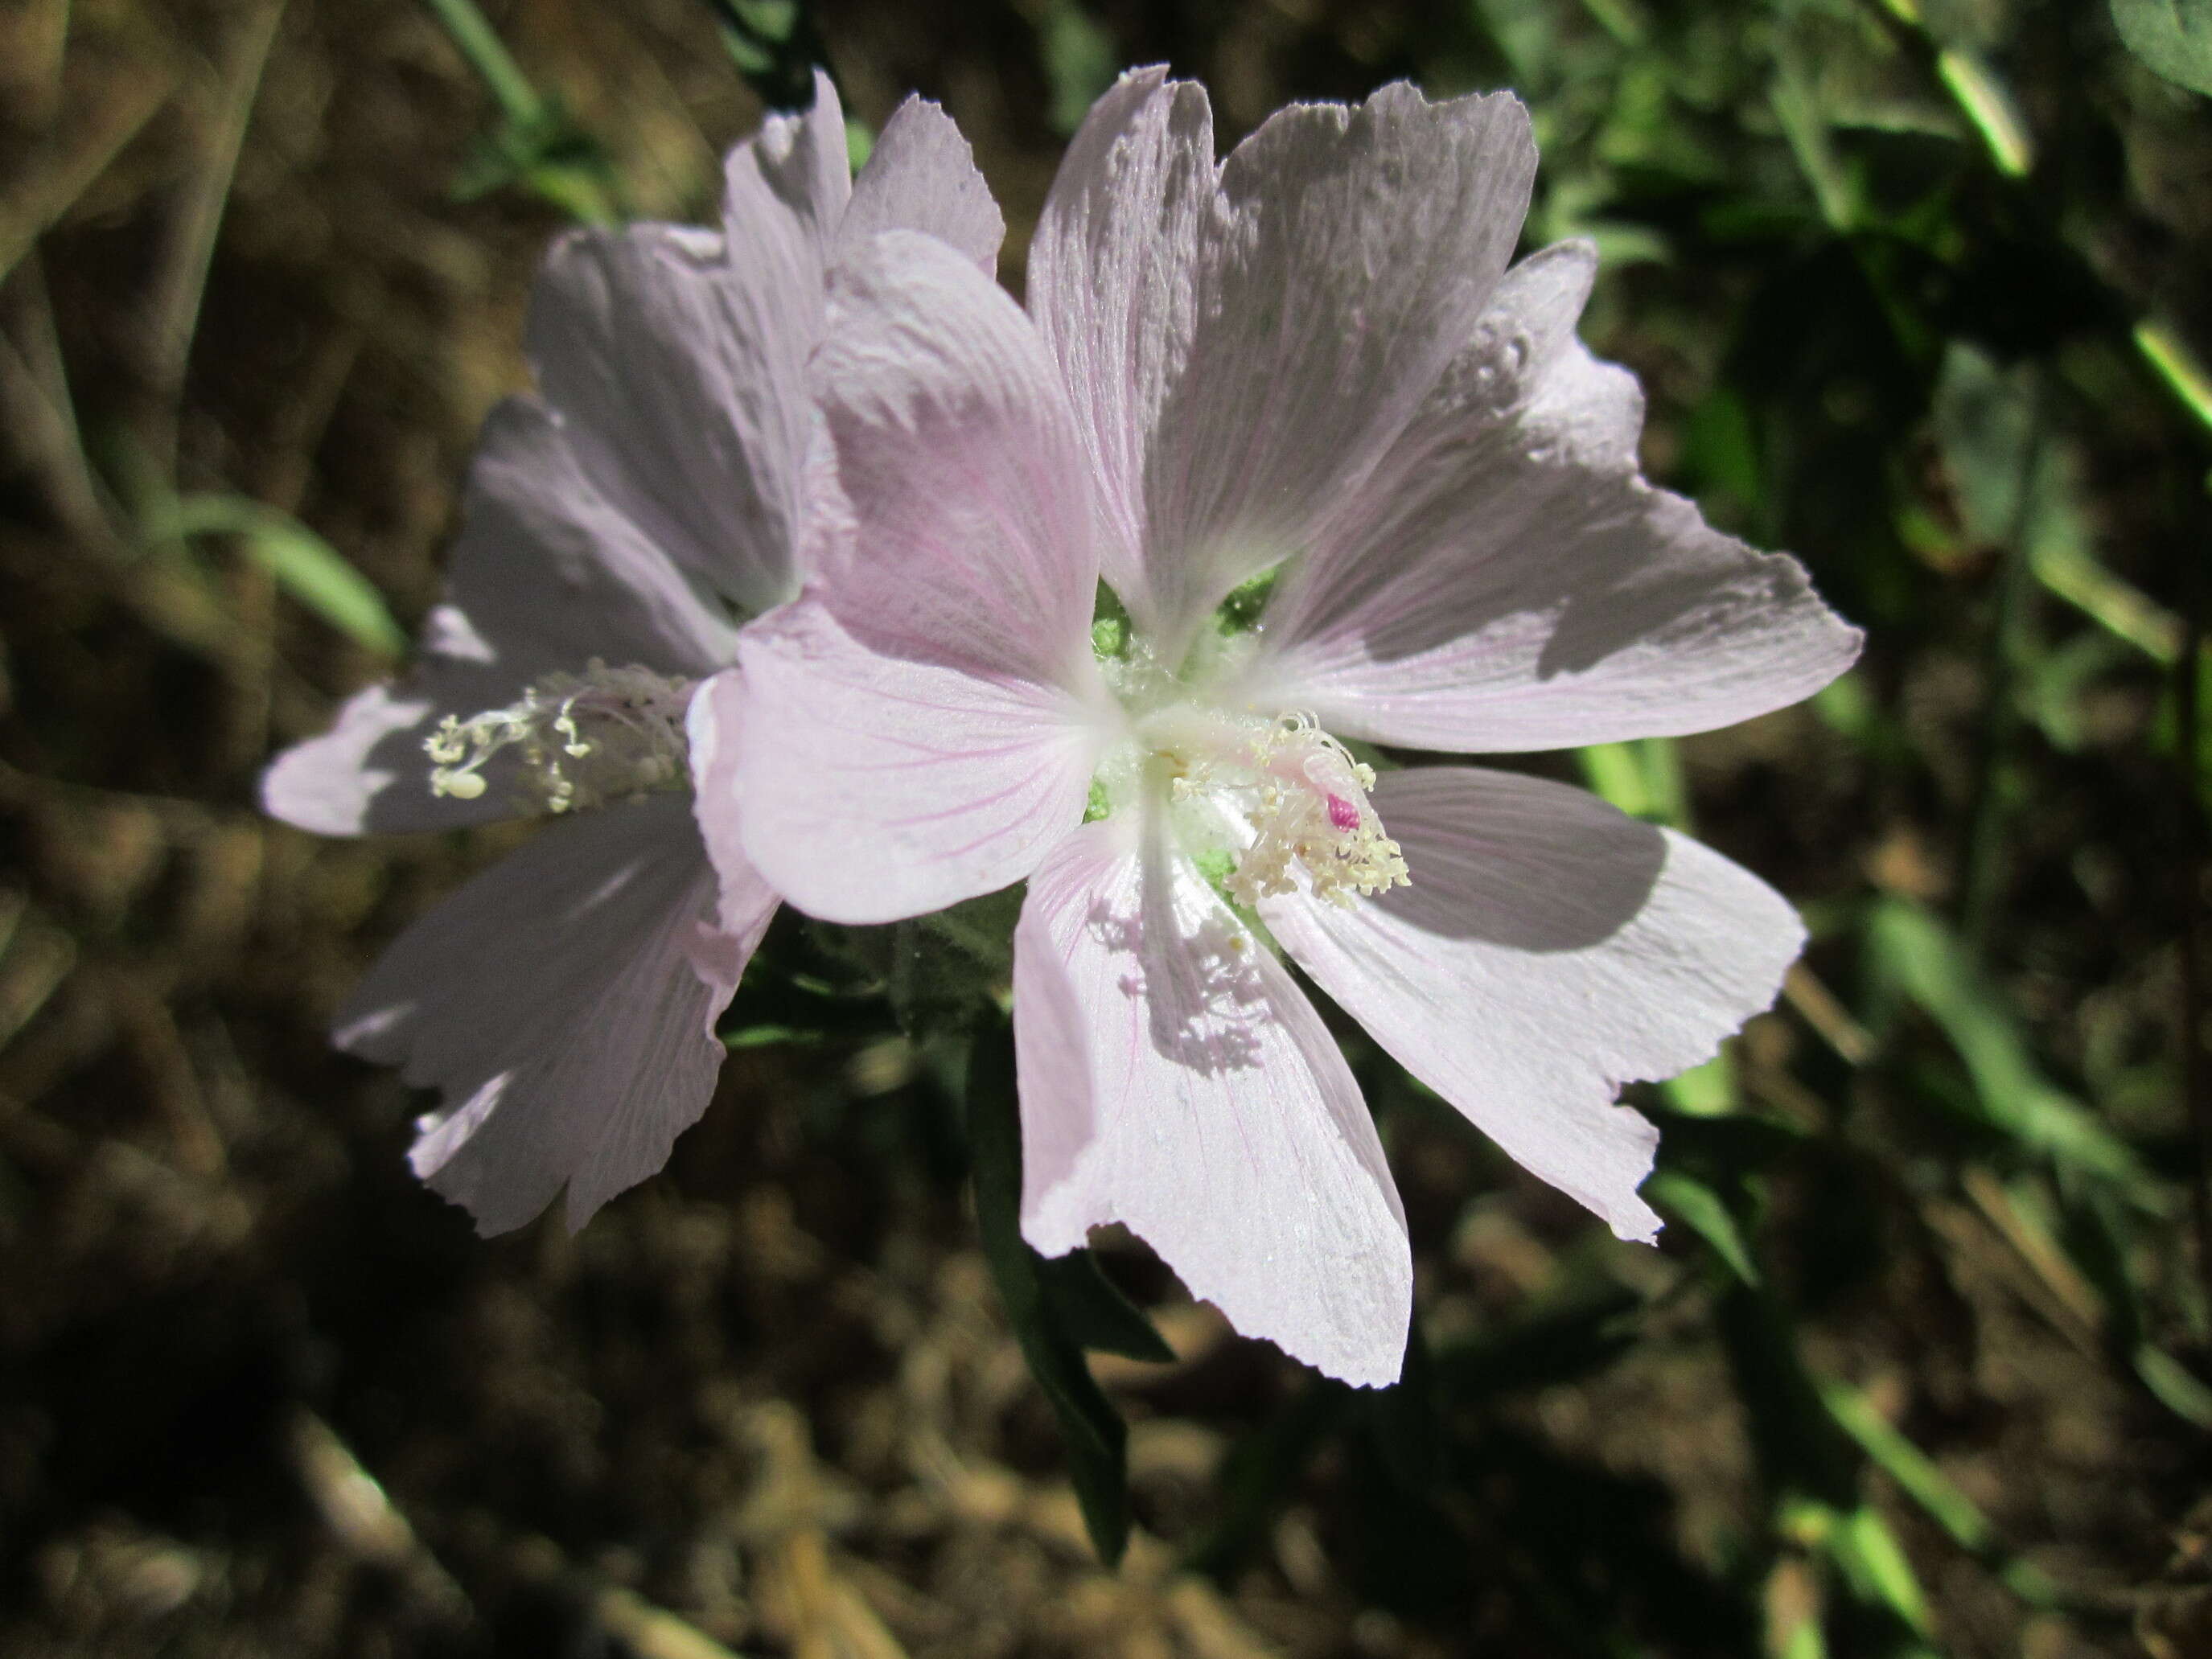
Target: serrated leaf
x,y
1097,1439
2174,37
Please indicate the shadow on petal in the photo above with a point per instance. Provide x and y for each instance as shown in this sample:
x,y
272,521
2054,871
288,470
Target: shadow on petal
x,y
1578,884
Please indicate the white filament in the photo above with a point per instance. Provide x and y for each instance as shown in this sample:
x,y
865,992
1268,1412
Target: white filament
x,y
582,739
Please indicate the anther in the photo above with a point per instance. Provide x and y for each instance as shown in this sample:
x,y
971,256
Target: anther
x,y
582,739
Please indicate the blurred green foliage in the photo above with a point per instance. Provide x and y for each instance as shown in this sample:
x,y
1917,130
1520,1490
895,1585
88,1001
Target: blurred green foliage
x,y
2174,37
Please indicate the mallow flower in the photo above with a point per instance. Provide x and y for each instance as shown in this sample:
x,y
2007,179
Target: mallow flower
x,y
1348,481
619,530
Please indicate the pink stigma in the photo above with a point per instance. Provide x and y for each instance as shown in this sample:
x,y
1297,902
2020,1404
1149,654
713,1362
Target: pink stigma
x,y
1343,814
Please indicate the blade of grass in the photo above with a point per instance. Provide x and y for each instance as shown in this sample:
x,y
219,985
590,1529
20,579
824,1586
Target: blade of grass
x,y
2195,1079
1988,107
304,566
2179,368
478,42
2119,607
1642,778
1867,1549
180,278
536,143
1918,1477
1928,965
44,434
43,191
2175,1385
2154,343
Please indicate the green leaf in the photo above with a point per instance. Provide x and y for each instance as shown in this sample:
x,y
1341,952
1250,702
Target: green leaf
x,y
1919,956
2174,37
304,565
1876,1563
1985,420
2012,484
1585,1329
769,1036
1706,1090
1720,450
1404,1421
550,156
1642,778
1919,1479
1915,1474
1080,61
1685,1198
944,971
1097,1439
2176,1386
1096,1313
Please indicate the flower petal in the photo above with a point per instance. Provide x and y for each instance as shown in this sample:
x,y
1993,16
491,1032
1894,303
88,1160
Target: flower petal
x,y
711,726
1112,276
546,574
922,175
563,1005
1243,345
549,571
923,726
968,535
1549,950
678,358
867,786
1174,1078
367,774
1505,580
802,162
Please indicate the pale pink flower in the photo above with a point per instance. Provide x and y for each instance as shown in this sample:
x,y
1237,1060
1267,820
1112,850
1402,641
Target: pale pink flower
x,y
1311,356
620,528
